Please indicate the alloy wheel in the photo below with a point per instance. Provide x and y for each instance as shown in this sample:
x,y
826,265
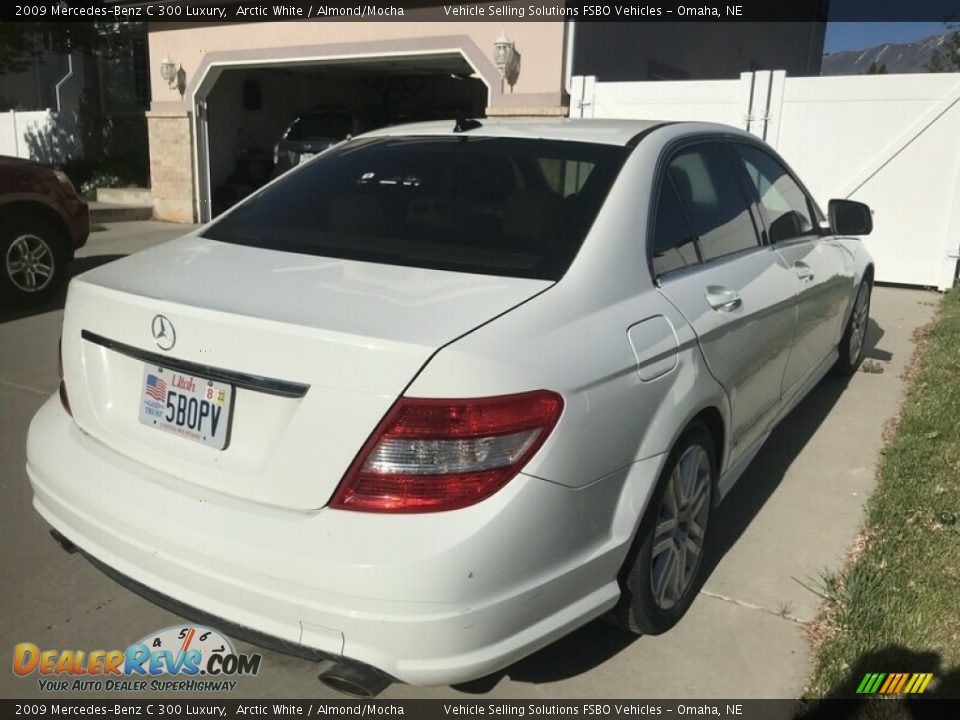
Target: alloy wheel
x,y
30,263
858,323
681,528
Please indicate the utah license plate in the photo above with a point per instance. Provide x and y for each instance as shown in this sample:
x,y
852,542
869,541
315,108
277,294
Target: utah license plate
x,y
187,405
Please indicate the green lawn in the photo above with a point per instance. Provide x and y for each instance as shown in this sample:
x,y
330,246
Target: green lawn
x,y
896,606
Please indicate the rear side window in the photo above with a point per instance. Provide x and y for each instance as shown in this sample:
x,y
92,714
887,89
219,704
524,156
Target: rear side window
x,y
781,198
499,206
711,193
674,246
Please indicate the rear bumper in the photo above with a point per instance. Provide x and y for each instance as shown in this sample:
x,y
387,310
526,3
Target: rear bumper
x,y
428,599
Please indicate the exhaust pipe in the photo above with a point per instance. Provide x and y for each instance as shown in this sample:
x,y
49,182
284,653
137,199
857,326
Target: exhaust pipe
x,y
63,542
355,679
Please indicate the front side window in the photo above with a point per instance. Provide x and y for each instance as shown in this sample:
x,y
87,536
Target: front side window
x,y
782,199
499,206
711,194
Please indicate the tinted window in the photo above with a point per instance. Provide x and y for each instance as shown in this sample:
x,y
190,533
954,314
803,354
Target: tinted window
x,y
498,206
710,191
783,201
673,241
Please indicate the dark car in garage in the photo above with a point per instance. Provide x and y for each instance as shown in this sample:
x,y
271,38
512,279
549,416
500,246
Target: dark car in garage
x,y
42,223
310,133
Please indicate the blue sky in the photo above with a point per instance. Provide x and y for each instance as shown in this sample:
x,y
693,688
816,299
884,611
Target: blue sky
x,y
860,35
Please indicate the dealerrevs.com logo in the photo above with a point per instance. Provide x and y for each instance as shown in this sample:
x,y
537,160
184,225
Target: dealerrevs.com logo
x,y
200,658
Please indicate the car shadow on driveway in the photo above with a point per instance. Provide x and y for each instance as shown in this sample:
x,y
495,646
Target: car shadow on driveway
x,y
597,642
872,352
76,266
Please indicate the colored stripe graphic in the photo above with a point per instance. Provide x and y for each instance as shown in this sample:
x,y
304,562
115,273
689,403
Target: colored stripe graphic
x,y
894,683
865,683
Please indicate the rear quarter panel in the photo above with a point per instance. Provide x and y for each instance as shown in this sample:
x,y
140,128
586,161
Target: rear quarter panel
x,y
574,339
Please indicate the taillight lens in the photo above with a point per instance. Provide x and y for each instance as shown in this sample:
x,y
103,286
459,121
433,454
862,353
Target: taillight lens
x,y
432,455
64,399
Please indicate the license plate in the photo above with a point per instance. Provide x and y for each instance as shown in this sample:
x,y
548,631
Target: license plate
x,y
306,156
186,405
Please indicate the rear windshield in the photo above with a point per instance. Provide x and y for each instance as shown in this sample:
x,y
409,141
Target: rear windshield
x,y
319,125
496,206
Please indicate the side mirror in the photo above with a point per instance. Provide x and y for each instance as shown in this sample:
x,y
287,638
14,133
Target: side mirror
x,y
848,217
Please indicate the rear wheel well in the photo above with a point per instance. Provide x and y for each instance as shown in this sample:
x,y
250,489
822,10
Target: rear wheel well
x,y
868,274
713,421
32,209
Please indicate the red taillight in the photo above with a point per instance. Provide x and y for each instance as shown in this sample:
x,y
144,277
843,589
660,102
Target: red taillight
x,y
64,399
432,455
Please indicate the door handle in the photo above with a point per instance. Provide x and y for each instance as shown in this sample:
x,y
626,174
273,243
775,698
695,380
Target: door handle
x,y
722,299
804,271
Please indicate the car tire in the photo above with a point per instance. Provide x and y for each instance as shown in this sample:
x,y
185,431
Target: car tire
x,y
650,602
33,260
853,344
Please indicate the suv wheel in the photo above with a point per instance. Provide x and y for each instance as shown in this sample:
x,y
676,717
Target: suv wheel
x,y
32,261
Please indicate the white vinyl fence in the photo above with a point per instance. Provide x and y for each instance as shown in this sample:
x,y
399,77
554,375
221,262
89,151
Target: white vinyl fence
x,y
42,135
891,141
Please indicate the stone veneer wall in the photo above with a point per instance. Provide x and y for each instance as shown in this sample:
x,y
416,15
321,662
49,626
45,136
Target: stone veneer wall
x,y
171,165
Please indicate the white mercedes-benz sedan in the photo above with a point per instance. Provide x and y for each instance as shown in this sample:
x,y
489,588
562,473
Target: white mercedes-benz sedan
x,y
448,391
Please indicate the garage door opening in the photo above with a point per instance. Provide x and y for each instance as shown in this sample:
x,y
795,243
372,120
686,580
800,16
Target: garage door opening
x,y
249,110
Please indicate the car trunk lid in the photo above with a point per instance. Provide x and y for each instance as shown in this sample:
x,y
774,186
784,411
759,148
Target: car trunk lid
x,y
314,351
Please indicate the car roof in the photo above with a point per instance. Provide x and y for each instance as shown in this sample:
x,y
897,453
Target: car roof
x,y
607,132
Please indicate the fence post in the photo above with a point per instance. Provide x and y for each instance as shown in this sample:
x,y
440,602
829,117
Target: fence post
x,y
951,245
582,95
760,109
778,85
745,99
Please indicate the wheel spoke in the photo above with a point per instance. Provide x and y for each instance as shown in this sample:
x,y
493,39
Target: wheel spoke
x,y
670,503
661,546
694,529
681,569
699,499
677,488
662,576
675,578
665,526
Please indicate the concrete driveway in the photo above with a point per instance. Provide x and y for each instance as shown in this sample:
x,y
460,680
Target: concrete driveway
x,y
792,516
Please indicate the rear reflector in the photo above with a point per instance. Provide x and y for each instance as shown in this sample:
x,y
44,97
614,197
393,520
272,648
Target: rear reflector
x,y
64,399
432,455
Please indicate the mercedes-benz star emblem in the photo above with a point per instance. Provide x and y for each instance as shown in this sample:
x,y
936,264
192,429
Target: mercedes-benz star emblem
x,y
163,333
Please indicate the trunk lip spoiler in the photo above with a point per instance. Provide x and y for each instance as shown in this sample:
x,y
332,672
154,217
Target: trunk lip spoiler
x,y
247,381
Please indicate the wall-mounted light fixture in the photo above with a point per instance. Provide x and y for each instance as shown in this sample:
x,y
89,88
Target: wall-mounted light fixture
x,y
506,58
175,76
168,70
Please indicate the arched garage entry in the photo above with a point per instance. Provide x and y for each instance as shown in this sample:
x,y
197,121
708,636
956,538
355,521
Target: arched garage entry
x,y
243,108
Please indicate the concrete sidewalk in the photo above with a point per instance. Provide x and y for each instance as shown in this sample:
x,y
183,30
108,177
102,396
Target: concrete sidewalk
x,y
792,516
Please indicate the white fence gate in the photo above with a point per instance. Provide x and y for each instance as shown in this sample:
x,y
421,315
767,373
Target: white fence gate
x,y
891,141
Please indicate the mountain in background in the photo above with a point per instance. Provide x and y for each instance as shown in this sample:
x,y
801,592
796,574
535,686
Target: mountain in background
x,y
899,57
